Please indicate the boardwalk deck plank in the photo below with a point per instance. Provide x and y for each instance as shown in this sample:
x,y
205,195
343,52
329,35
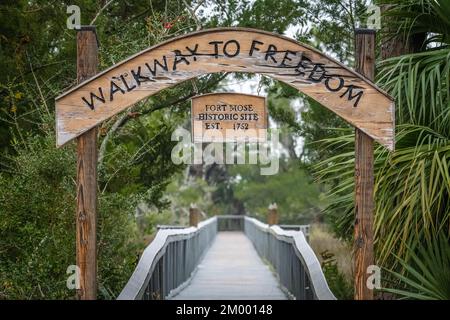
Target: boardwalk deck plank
x,y
232,269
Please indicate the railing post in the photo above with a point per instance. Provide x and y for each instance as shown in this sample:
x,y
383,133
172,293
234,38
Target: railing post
x,y
272,216
194,215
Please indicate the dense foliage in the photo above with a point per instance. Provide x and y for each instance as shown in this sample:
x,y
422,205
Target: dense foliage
x,y
412,183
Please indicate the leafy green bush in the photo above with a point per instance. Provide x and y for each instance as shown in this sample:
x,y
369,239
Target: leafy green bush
x,y
37,224
338,283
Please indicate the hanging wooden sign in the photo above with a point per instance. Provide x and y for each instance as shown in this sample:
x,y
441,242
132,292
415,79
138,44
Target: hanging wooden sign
x,y
229,117
342,90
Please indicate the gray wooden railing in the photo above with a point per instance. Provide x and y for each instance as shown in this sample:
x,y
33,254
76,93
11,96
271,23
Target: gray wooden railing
x,y
171,259
292,258
305,228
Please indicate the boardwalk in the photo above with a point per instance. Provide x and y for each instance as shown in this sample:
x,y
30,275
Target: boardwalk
x,y
232,269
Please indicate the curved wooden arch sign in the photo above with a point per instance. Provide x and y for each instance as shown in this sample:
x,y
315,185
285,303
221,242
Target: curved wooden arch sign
x,y
342,90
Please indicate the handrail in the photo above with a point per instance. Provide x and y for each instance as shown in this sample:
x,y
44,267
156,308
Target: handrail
x,y
304,280
305,228
166,263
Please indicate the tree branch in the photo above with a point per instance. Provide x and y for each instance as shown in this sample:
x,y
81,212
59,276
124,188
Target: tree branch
x,y
100,12
192,12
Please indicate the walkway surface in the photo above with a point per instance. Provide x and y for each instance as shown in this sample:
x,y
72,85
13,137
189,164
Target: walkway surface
x,y
232,270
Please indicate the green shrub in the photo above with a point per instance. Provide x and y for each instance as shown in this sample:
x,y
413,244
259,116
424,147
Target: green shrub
x,y
37,224
339,285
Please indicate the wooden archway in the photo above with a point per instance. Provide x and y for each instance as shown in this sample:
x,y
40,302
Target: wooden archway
x,y
342,90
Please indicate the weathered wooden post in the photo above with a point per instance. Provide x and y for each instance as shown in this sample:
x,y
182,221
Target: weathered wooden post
x,y
194,215
86,215
272,216
364,175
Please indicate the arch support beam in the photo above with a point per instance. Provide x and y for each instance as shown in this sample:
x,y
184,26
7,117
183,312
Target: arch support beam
x,y
86,214
364,179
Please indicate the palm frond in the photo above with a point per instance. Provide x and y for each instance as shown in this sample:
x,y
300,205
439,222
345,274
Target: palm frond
x,y
412,188
427,275
419,17
420,84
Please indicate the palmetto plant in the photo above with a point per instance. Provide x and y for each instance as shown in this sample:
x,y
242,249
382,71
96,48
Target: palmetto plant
x,y
427,276
412,184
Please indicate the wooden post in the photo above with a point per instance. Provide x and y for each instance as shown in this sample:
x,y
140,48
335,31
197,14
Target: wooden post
x,y
194,216
86,215
272,216
364,180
